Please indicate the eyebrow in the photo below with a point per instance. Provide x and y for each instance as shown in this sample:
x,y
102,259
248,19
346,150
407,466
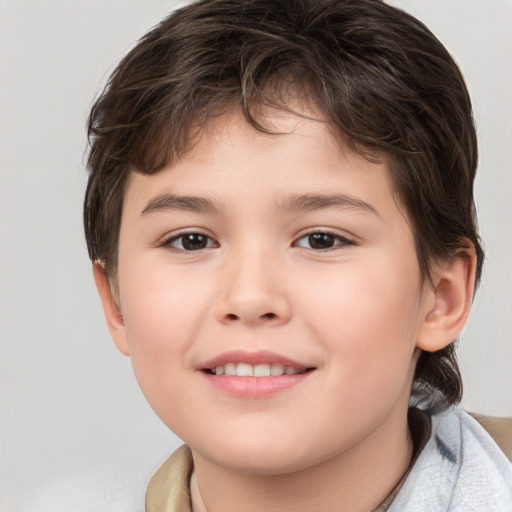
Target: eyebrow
x,y
175,202
294,202
307,202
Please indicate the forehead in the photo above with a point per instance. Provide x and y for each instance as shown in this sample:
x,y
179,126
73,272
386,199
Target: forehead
x,y
302,154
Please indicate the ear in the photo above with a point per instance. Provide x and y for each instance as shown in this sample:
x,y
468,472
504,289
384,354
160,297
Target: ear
x,y
111,309
448,300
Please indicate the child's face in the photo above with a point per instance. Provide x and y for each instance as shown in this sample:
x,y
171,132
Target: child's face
x,y
267,249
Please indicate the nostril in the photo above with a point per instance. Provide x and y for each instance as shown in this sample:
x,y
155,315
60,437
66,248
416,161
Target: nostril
x,y
249,318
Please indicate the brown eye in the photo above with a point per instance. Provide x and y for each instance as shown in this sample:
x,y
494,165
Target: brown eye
x,y
323,241
189,242
194,242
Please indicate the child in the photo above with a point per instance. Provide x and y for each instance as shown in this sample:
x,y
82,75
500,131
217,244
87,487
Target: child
x,y
280,216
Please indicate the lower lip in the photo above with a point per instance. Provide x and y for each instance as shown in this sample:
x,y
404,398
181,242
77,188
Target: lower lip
x,y
255,387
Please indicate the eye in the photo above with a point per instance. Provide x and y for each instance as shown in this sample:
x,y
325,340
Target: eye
x,y
189,242
322,240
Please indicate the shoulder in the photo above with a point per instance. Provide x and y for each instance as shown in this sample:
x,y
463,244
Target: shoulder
x,y
500,429
169,488
485,473
91,491
461,468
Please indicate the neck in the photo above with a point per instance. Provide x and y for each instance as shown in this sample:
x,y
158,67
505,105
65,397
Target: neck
x,y
360,478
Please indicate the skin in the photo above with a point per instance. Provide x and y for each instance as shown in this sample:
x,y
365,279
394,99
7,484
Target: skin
x,y
357,312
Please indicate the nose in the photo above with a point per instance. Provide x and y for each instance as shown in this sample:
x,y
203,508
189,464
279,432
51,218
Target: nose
x,y
253,291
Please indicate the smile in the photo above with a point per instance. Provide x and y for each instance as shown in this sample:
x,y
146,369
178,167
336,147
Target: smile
x,y
257,370
247,374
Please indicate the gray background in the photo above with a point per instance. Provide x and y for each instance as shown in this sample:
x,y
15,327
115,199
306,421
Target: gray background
x,y
71,414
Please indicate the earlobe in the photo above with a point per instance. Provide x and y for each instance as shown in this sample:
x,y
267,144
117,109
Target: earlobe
x,y
451,295
111,309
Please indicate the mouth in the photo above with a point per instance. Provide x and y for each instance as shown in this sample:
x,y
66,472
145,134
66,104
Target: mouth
x,y
240,369
255,375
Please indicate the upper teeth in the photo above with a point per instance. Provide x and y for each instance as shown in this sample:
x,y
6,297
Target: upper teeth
x,y
258,370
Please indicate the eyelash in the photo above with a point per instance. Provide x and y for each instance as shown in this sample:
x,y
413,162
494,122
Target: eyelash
x,y
181,236
336,239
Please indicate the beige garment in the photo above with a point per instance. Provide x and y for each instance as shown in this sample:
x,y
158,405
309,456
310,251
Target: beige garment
x,y
169,489
500,429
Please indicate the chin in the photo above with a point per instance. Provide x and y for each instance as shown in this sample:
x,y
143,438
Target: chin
x,y
261,464
257,456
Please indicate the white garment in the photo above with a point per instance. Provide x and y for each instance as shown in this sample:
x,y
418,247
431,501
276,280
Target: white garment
x,y
461,469
100,490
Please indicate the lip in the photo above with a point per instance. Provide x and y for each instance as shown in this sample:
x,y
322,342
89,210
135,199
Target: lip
x,y
254,387
253,358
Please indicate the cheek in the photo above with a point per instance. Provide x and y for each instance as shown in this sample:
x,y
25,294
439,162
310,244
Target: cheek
x,y
161,307
368,320
162,313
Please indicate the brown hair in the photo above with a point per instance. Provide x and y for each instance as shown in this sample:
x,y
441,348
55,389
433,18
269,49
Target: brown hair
x,y
378,76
